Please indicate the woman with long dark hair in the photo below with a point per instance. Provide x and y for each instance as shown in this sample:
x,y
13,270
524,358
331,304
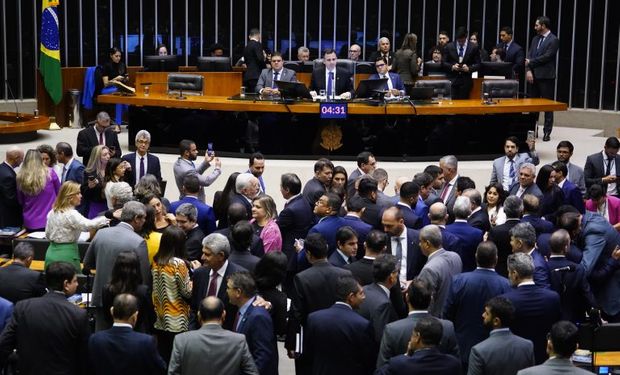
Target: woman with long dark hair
x,y
126,278
269,274
172,289
553,196
406,62
221,201
493,202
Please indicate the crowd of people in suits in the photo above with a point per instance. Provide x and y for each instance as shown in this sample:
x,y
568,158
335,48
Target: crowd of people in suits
x,y
456,279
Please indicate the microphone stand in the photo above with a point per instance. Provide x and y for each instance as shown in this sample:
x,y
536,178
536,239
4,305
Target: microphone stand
x,y
8,85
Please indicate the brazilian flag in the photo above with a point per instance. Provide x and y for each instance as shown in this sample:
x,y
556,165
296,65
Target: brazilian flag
x,y
49,61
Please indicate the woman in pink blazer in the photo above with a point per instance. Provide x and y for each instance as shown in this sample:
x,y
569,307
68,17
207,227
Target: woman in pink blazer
x,y
607,206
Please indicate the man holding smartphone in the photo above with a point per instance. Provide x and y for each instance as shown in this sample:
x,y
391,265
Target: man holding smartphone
x,y
185,166
461,58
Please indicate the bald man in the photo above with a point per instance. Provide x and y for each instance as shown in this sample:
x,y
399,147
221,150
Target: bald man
x,y
10,210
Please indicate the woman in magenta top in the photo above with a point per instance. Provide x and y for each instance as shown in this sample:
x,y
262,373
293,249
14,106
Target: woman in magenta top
x,y
263,221
37,187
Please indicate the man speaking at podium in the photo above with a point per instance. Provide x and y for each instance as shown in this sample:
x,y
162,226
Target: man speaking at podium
x,y
335,81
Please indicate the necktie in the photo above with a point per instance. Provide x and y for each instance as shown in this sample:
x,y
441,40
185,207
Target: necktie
x,y
275,78
399,249
540,42
236,322
141,167
461,50
212,291
512,172
388,83
444,192
608,169
330,83
506,47
64,173
101,138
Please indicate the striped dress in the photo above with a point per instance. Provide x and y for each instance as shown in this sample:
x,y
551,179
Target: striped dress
x,y
171,288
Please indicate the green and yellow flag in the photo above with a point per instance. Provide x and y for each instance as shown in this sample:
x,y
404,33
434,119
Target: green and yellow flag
x,y
49,61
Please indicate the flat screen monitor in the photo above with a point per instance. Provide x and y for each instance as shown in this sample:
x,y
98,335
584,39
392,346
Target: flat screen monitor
x,y
500,69
293,90
421,93
368,88
433,69
156,63
214,64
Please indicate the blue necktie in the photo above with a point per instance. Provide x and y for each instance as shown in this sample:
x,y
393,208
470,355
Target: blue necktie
x,y
512,172
330,84
461,50
275,78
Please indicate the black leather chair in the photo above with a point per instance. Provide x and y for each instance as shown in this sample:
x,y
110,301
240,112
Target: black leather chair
x,y
293,65
500,88
191,84
365,67
348,65
440,86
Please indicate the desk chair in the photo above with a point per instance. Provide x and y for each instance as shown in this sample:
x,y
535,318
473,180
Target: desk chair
x,y
440,86
190,84
500,88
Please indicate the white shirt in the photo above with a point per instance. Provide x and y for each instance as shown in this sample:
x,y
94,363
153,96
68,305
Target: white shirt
x,y
220,279
65,227
389,80
402,275
65,169
136,167
327,81
611,187
506,180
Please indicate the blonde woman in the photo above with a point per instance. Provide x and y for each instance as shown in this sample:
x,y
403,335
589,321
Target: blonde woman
x,y
37,187
93,182
263,221
64,225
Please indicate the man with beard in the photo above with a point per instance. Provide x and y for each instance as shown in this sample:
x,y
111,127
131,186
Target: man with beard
x,y
184,166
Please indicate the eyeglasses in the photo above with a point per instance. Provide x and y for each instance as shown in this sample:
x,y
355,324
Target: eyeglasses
x,y
142,141
379,65
354,51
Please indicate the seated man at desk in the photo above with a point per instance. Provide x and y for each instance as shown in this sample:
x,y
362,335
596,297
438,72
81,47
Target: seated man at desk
x,y
394,85
267,81
335,81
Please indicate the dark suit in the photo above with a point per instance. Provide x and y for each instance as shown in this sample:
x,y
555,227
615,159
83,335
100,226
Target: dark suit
x,y
313,189
50,334
372,213
87,139
255,62
314,289
256,246
542,65
294,221
469,237
75,172
500,235
397,83
245,259
573,196
415,258
241,199
378,309
351,182
595,170
396,336
362,271
572,286
532,189
412,220
206,215
18,282
339,341
201,287
541,270
375,54
327,227
480,220
536,309
465,304
152,167
10,209
193,243
428,362
121,350
257,326
338,261
516,56
540,225
361,228
461,81
342,84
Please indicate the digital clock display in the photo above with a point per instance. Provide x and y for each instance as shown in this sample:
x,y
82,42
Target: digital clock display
x,y
333,110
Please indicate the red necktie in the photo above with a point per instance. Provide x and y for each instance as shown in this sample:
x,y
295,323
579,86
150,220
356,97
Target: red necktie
x,y
444,193
212,292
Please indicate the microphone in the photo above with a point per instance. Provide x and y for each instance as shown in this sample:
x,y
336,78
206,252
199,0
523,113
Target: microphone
x,y
565,269
8,85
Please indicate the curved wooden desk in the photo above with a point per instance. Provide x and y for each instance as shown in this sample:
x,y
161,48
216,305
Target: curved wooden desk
x,y
454,107
27,124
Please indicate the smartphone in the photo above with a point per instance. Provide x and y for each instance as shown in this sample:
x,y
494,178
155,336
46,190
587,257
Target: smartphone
x,y
530,135
210,148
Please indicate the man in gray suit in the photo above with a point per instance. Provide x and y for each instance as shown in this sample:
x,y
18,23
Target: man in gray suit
x,y
211,349
266,85
506,168
396,335
441,266
107,244
449,165
561,343
564,151
503,353
184,166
